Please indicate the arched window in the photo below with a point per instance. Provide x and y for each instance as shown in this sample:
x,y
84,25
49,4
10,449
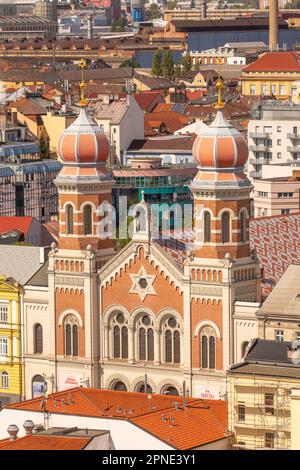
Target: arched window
x,y
87,217
120,386
4,379
71,336
207,227
243,227
171,335
120,337
225,222
69,219
170,390
38,338
38,386
145,337
142,389
208,348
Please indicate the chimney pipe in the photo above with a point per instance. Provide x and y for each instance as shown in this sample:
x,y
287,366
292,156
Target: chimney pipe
x,y
12,431
273,25
28,426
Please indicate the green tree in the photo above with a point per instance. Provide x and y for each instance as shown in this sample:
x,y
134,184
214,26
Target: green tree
x,y
44,148
130,63
178,71
154,12
157,64
187,63
168,65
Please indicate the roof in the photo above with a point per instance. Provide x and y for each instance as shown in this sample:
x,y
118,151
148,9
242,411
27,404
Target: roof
x,y
226,24
167,144
44,442
145,99
276,240
285,299
155,83
12,223
40,277
268,350
275,62
96,74
171,120
20,262
113,111
199,423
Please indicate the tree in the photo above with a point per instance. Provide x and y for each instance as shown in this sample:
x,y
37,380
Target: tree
x,y
118,25
187,63
157,64
132,63
44,148
177,70
168,65
154,12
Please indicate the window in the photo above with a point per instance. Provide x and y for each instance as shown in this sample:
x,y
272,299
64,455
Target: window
x,y
208,348
4,380
87,216
278,141
273,90
244,348
3,346
285,211
297,335
285,195
120,386
225,222
171,391
269,403
71,336
141,388
241,412
145,338
3,313
207,227
262,194
38,339
279,335
252,90
264,89
282,90
69,219
279,155
278,129
171,340
243,227
269,440
120,337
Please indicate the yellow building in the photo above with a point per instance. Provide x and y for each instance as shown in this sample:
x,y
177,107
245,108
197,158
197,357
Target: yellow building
x,y
11,363
273,73
259,396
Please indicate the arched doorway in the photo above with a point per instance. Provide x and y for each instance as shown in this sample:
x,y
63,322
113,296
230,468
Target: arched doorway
x,y
119,386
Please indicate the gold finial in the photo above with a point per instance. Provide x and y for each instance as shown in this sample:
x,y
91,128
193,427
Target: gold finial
x,y
219,86
82,101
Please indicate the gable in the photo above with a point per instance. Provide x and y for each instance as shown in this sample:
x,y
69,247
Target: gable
x,y
142,278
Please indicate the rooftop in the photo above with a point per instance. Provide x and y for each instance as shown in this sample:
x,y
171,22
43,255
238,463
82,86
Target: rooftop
x,y
197,423
275,62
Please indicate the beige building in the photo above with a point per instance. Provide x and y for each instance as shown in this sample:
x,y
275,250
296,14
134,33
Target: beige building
x,y
273,135
277,195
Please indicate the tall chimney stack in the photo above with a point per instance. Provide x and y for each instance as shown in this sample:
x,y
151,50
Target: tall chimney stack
x,y
273,25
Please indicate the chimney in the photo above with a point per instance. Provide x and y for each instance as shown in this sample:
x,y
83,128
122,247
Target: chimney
x,y
28,426
12,431
273,25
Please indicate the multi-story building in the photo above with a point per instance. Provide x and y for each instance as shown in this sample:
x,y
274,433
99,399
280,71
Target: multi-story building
x,y
273,135
272,74
11,357
259,396
277,195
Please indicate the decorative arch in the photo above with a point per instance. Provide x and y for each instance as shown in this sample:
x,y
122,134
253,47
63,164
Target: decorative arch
x,y
137,312
204,323
140,380
111,311
110,381
169,383
68,312
166,312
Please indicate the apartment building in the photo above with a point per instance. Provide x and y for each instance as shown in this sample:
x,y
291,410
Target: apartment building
x,y
273,135
277,195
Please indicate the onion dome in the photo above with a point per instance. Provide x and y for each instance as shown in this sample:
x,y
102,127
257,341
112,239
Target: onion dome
x,y
220,146
83,142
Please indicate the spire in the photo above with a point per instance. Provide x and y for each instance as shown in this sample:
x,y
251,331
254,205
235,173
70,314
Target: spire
x,y
219,86
83,101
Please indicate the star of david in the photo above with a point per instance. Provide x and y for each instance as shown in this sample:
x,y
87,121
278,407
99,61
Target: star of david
x,y
142,284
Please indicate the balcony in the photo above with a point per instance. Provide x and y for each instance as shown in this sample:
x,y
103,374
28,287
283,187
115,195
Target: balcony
x,y
294,148
259,161
259,135
292,135
259,148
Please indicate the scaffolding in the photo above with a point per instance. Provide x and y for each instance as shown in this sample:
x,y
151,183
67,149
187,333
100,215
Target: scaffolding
x,y
266,412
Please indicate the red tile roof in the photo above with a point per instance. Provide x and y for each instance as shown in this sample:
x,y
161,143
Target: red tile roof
x,y
44,442
201,422
276,62
145,99
15,223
